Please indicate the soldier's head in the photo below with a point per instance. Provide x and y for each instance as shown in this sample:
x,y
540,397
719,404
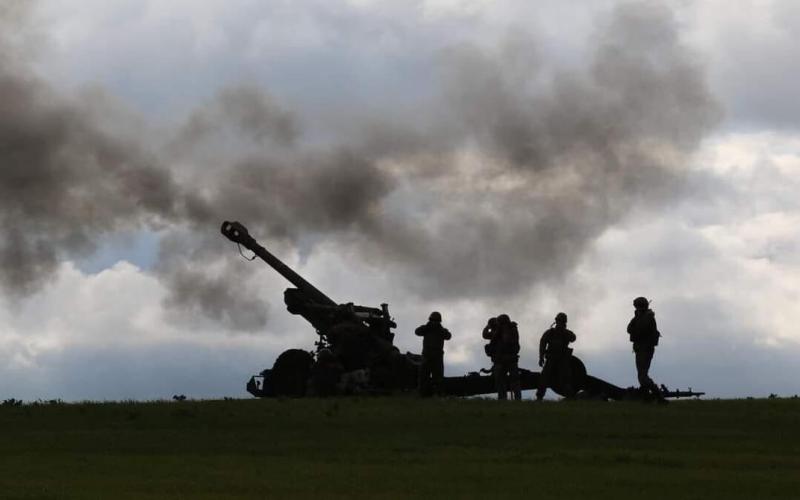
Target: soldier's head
x,y
641,303
503,319
435,317
561,319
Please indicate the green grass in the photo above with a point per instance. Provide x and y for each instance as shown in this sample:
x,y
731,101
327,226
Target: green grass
x,y
401,448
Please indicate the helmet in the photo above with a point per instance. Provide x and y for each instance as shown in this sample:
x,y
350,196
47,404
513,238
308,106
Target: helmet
x,y
640,303
435,316
561,318
503,319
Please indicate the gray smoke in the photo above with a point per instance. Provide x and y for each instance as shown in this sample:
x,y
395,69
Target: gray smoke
x,y
499,185
62,180
562,154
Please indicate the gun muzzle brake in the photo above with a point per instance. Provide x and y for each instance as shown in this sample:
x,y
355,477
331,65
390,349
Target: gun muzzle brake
x,y
235,232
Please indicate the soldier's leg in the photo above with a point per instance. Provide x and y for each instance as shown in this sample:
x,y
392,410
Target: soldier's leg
x,y
437,372
424,377
565,372
653,386
421,378
644,358
513,375
499,371
544,379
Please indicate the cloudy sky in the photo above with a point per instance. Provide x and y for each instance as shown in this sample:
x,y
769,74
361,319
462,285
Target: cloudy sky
x,y
473,157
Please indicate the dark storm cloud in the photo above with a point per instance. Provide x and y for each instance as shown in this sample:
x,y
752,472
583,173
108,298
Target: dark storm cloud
x,y
509,175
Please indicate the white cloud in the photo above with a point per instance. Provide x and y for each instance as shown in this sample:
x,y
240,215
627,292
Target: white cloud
x,y
109,331
751,52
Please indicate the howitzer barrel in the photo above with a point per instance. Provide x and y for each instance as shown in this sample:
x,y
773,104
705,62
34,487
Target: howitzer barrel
x,y
237,233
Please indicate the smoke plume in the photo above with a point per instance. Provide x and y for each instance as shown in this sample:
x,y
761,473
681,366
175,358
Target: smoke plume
x,y
497,186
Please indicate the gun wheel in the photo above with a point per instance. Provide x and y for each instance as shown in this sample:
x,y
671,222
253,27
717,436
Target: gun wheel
x,y
576,382
290,373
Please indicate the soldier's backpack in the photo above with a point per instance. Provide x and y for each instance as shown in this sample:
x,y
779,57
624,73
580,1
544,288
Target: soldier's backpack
x,y
639,330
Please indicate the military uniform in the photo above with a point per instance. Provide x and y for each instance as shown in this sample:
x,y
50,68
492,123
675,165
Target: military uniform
x,y
504,351
431,371
644,335
554,348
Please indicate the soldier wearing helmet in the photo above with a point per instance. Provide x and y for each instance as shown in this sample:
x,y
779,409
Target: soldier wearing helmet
x,y
644,335
554,356
503,348
431,371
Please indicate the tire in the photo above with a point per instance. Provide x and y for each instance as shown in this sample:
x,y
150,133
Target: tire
x,y
290,373
578,379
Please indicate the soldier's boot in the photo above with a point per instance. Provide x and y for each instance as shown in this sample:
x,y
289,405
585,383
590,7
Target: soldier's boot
x,y
660,399
656,392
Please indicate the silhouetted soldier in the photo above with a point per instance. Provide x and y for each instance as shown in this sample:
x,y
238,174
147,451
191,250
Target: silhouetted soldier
x,y
431,371
554,356
503,348
644,334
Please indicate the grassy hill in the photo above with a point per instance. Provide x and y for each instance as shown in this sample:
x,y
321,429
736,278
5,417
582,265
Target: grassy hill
x,y
402,448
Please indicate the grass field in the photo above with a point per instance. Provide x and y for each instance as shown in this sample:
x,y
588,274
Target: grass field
x,y
402,448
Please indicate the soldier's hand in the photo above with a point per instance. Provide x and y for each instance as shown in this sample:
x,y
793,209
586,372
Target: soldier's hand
x,y
541,362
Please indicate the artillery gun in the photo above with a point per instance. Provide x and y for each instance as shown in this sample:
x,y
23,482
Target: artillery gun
x,y
355,352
